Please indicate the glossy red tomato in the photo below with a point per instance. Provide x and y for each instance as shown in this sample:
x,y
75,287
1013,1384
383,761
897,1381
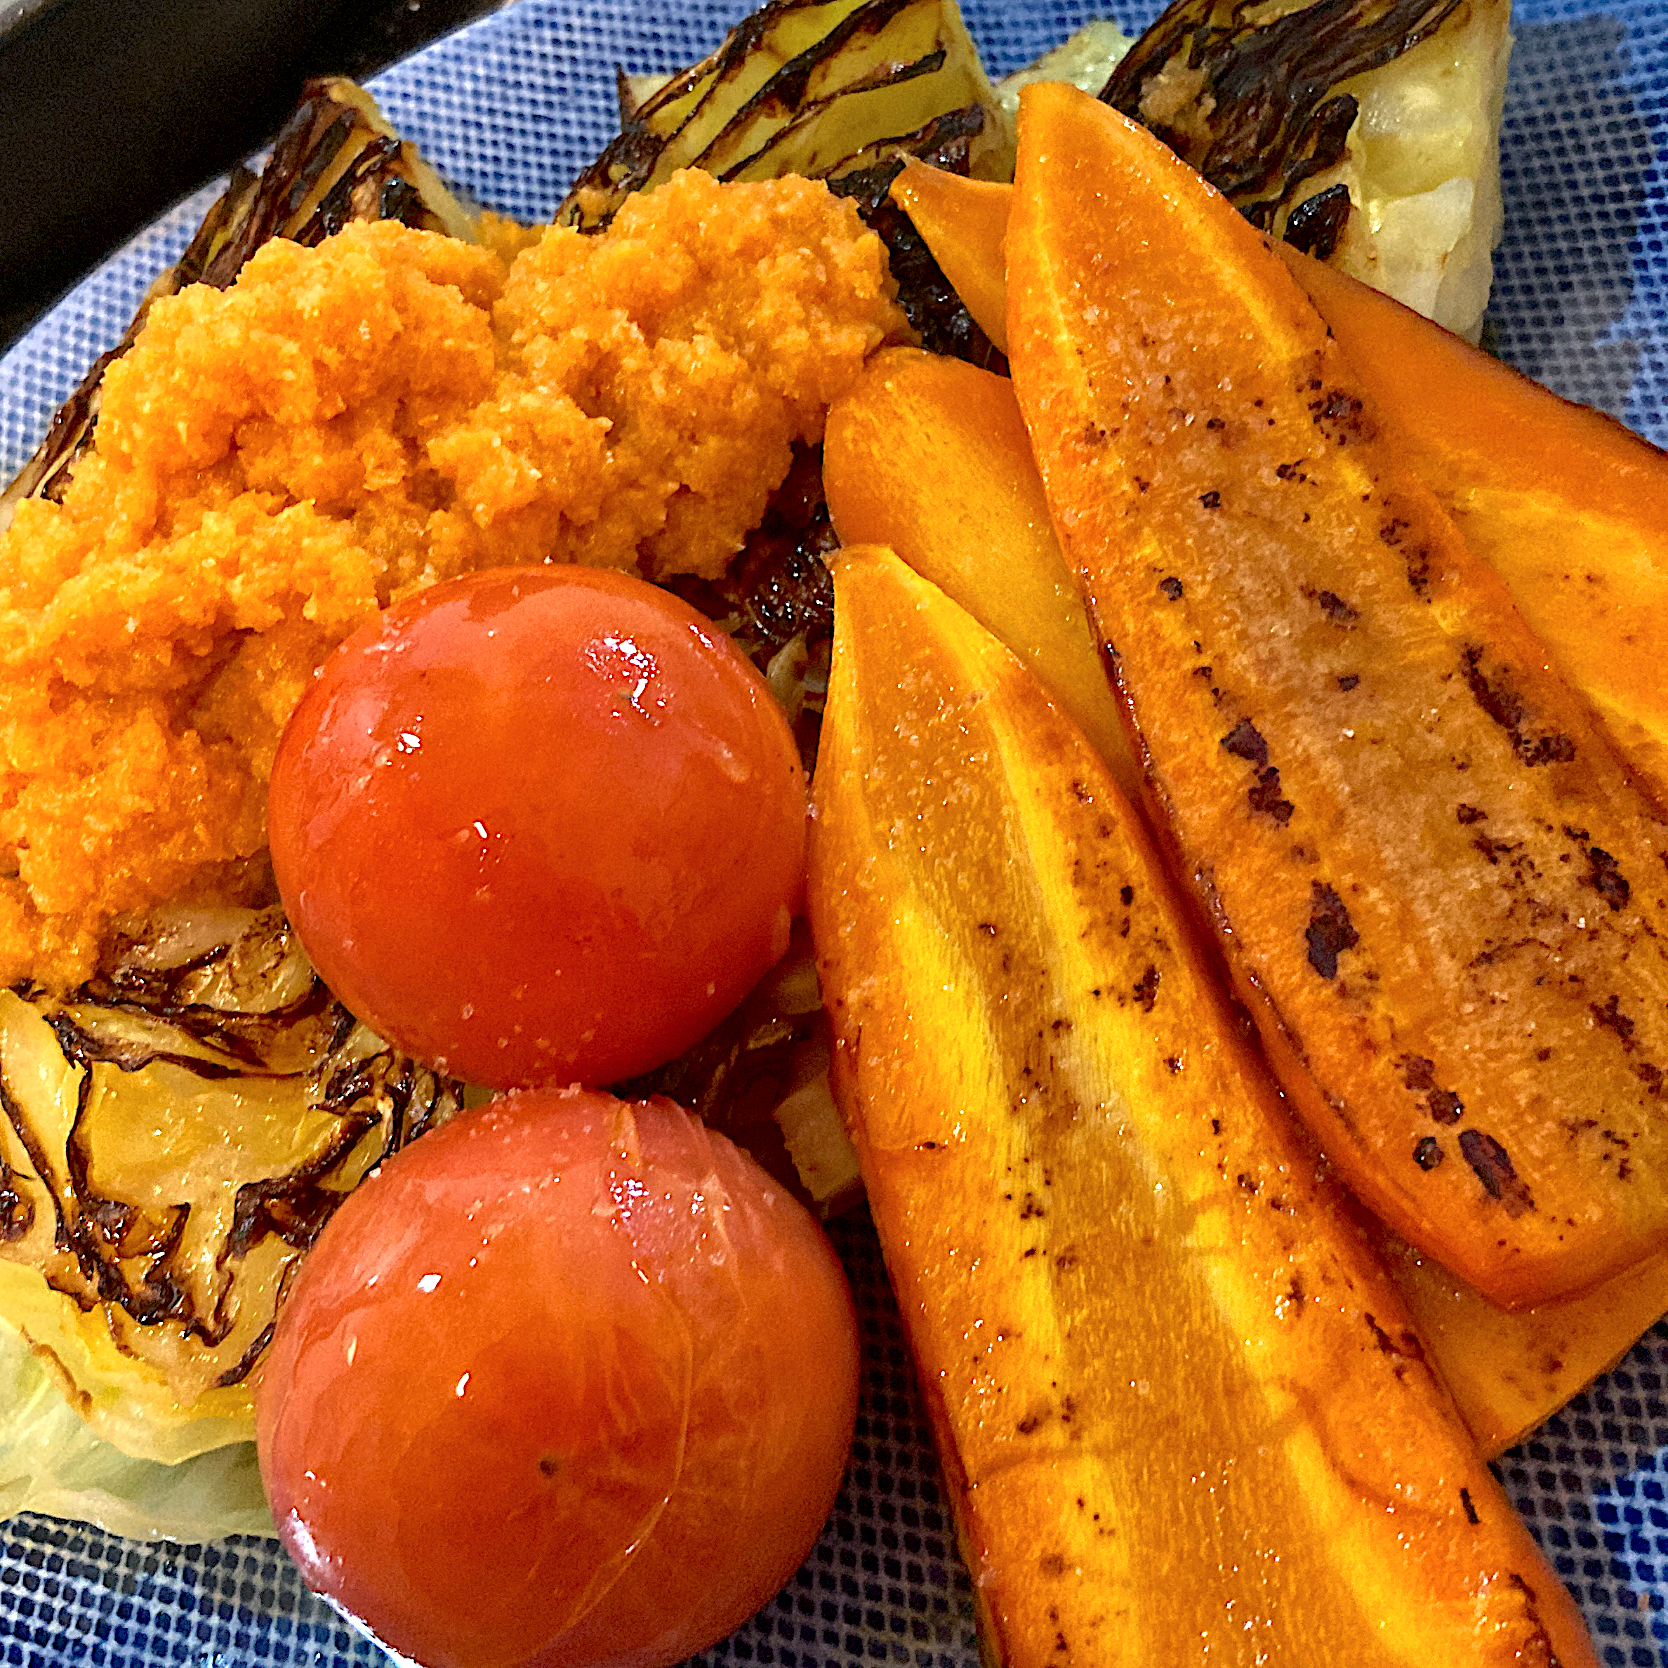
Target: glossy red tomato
x,y
571,1382
540,825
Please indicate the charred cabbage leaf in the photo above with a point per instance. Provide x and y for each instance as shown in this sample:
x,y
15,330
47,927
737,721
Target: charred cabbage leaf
x,y
812,87
174,1137
1086,60
929,300
761,1077
51,1461
1364,131
777,599
336,160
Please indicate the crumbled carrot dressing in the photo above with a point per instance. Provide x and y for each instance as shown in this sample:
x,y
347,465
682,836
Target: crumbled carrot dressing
x,y
277,461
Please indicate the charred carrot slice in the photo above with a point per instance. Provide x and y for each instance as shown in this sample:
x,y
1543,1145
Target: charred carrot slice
x,y
963,221
1440,891
1511,1370
1566,504
1570,507
1181,1413
930,457
1481,435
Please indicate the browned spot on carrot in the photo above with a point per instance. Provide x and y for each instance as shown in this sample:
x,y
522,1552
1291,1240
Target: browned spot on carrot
x,y
1605,878
1611,1017
1506,707
1330,931
1341,417
1419,1074
1335,608
1495,1171
1245,741
1267,800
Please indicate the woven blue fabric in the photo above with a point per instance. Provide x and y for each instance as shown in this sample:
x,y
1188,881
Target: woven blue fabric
x,y
509,109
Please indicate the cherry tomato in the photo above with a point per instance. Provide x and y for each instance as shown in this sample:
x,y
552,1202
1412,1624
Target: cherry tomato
x,y
540,825
570,1383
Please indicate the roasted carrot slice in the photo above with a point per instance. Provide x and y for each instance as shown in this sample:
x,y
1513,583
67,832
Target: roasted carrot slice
x,y
1508,1371
1439,888
1568,505
1511,1370
930,457
1181,1413
963,221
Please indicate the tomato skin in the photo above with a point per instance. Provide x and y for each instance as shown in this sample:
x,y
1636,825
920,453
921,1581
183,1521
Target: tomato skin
x,y
540,825
551,1330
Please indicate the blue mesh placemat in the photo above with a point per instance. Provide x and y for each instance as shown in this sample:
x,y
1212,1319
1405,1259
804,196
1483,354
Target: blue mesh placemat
x,y
509,109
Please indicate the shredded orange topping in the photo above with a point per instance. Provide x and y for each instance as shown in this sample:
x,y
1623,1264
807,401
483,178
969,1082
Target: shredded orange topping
x,y
277,461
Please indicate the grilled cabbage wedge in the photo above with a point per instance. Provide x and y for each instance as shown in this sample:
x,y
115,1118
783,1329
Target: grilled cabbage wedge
x,y
52,1461
813,87
175,1136
1365,132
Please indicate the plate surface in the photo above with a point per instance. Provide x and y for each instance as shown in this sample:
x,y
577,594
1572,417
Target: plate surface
x,y
509,109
